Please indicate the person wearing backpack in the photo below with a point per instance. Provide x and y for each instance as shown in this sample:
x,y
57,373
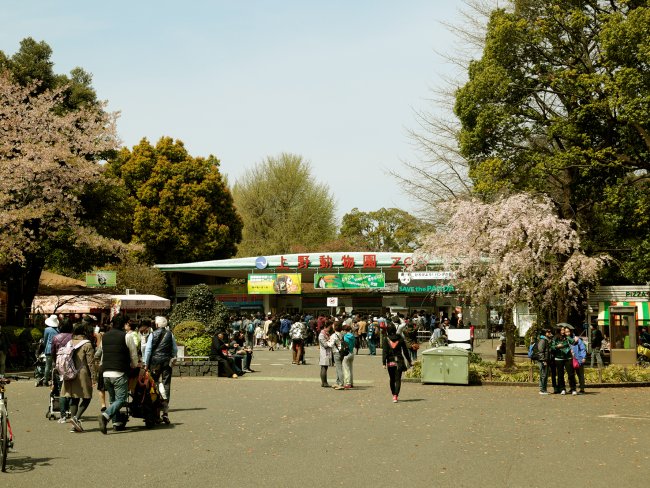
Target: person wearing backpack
x,y
541,354
395,355
158,357
77,392
59,341
348,361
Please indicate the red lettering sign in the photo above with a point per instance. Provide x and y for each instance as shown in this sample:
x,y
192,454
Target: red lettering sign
x,y
396,262
325,261
303,262
348,261
369,261
283,263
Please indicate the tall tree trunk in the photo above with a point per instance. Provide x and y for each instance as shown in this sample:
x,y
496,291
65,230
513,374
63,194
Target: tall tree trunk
x,y
509,326
22,287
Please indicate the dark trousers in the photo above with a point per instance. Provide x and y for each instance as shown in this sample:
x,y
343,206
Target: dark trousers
x,y
560,365
567,365
581,376
395,377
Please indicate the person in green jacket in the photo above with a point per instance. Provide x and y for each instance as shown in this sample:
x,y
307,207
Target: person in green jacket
x,y
561,346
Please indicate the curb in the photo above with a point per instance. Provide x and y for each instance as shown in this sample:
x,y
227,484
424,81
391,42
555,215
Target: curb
x,y
536,385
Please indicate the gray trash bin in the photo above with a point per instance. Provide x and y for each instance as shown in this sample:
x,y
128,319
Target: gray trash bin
x,y
449,365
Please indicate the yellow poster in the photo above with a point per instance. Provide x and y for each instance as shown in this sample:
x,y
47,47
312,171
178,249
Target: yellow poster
x,y
275,284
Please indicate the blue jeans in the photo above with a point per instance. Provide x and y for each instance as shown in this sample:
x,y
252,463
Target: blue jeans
x,y
543,375
118,394
372,346
338,363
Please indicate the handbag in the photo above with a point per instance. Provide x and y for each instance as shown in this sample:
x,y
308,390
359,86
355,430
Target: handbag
x,y
415,346
576,363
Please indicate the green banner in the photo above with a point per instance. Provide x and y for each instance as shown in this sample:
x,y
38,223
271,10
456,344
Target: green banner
x,y
349,281
101,279
275,284
425,288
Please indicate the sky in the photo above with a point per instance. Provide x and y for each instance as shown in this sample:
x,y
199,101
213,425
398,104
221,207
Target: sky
x,y
336,82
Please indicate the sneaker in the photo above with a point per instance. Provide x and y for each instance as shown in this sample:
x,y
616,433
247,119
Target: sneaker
x,y
165,419
326,385
234,376
338,387
574,392
76,424
563,392
103,421
543,393
62,420
347,387
394,398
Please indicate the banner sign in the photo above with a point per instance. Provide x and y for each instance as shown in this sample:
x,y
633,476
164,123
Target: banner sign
x,y
425,287
101,279
349,281
275,284
406,277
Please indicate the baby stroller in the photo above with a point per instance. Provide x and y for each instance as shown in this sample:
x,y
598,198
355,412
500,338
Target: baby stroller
x,y
145,400
55,392
39,364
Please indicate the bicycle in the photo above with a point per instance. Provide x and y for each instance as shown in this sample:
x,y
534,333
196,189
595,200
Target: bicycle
x,y
6,435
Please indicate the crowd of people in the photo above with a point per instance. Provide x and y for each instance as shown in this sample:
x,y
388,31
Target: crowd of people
x,y
339,339
82,356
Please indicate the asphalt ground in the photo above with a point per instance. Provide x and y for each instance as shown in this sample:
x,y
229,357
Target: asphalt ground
x,y
279,428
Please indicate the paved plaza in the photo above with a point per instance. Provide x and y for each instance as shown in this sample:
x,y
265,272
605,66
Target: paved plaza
x,y
278,428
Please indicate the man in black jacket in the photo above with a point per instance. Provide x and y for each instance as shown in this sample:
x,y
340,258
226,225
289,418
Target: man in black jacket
x,y
596,344
117,359
219,353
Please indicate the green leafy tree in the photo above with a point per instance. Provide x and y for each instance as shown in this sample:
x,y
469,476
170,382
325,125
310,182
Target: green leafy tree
x,y
388,230
559,104
283,208
183,210
200,306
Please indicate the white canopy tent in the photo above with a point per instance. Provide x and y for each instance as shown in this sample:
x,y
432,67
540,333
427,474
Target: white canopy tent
x,y
141,302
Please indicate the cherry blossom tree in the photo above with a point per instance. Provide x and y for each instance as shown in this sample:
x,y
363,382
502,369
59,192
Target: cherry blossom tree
x,y
513,250
47,157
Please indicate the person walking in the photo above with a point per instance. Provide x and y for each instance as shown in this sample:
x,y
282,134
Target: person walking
x,y
59,341
596,344
372,335
158,357
348,361
50,331
395,356
78,391
297,332
325,352
117,358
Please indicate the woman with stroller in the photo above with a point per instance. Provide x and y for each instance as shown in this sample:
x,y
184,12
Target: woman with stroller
x,y
78,391
395,355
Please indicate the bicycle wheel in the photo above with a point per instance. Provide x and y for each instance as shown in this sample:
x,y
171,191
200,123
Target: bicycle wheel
x,y
4,438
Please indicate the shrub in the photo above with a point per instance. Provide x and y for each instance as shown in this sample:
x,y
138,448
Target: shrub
x,y
36,334
189,329
415,371
198,346
200,306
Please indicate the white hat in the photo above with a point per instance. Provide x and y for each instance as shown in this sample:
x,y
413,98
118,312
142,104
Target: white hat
x,y
161,321
52,321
